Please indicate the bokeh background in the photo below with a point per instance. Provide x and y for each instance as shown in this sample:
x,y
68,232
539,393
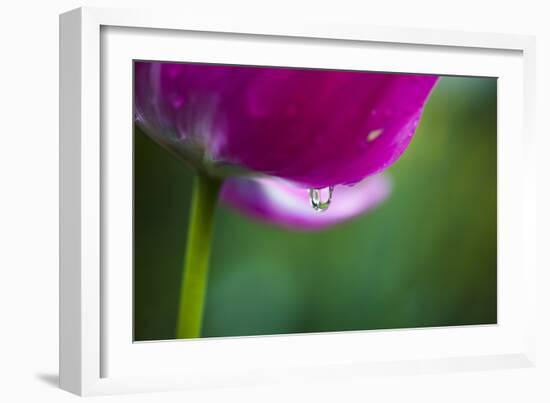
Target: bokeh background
x,y
425,257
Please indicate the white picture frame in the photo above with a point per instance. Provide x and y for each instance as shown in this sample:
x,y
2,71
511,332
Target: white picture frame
x,y
97,353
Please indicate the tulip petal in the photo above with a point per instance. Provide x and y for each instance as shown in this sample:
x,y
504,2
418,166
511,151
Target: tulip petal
x,y
282,203
314,127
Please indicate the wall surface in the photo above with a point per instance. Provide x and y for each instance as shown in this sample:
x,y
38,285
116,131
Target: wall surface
x,y
29,202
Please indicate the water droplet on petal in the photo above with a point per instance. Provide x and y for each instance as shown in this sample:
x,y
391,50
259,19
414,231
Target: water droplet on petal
x,y
315,199
374,134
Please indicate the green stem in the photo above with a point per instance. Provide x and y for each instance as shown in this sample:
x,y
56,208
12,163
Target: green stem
x,y
197,254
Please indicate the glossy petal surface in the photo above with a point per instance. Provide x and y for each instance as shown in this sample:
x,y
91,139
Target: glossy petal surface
x,y
316,128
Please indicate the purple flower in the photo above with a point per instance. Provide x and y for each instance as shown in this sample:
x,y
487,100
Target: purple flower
x,y
278,131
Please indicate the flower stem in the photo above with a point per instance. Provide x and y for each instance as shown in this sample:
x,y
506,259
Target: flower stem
x,y
197,254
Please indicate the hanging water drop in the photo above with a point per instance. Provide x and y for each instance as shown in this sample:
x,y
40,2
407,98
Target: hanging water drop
x,y
315,199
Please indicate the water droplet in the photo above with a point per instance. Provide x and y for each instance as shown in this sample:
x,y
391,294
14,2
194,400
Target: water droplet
x,y
374,134
315,199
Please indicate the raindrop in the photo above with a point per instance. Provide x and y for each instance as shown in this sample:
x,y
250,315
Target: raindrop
x,y
315,199
374,134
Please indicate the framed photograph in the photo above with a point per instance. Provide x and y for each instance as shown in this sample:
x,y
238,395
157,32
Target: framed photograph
x,y
255,202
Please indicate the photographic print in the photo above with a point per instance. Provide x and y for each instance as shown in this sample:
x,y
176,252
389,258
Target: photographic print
x,y
283,200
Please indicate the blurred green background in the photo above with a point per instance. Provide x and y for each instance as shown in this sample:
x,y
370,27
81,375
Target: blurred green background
x,y
426,257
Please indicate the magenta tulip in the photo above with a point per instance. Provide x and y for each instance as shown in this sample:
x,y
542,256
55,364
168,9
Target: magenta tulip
x,y
312,128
